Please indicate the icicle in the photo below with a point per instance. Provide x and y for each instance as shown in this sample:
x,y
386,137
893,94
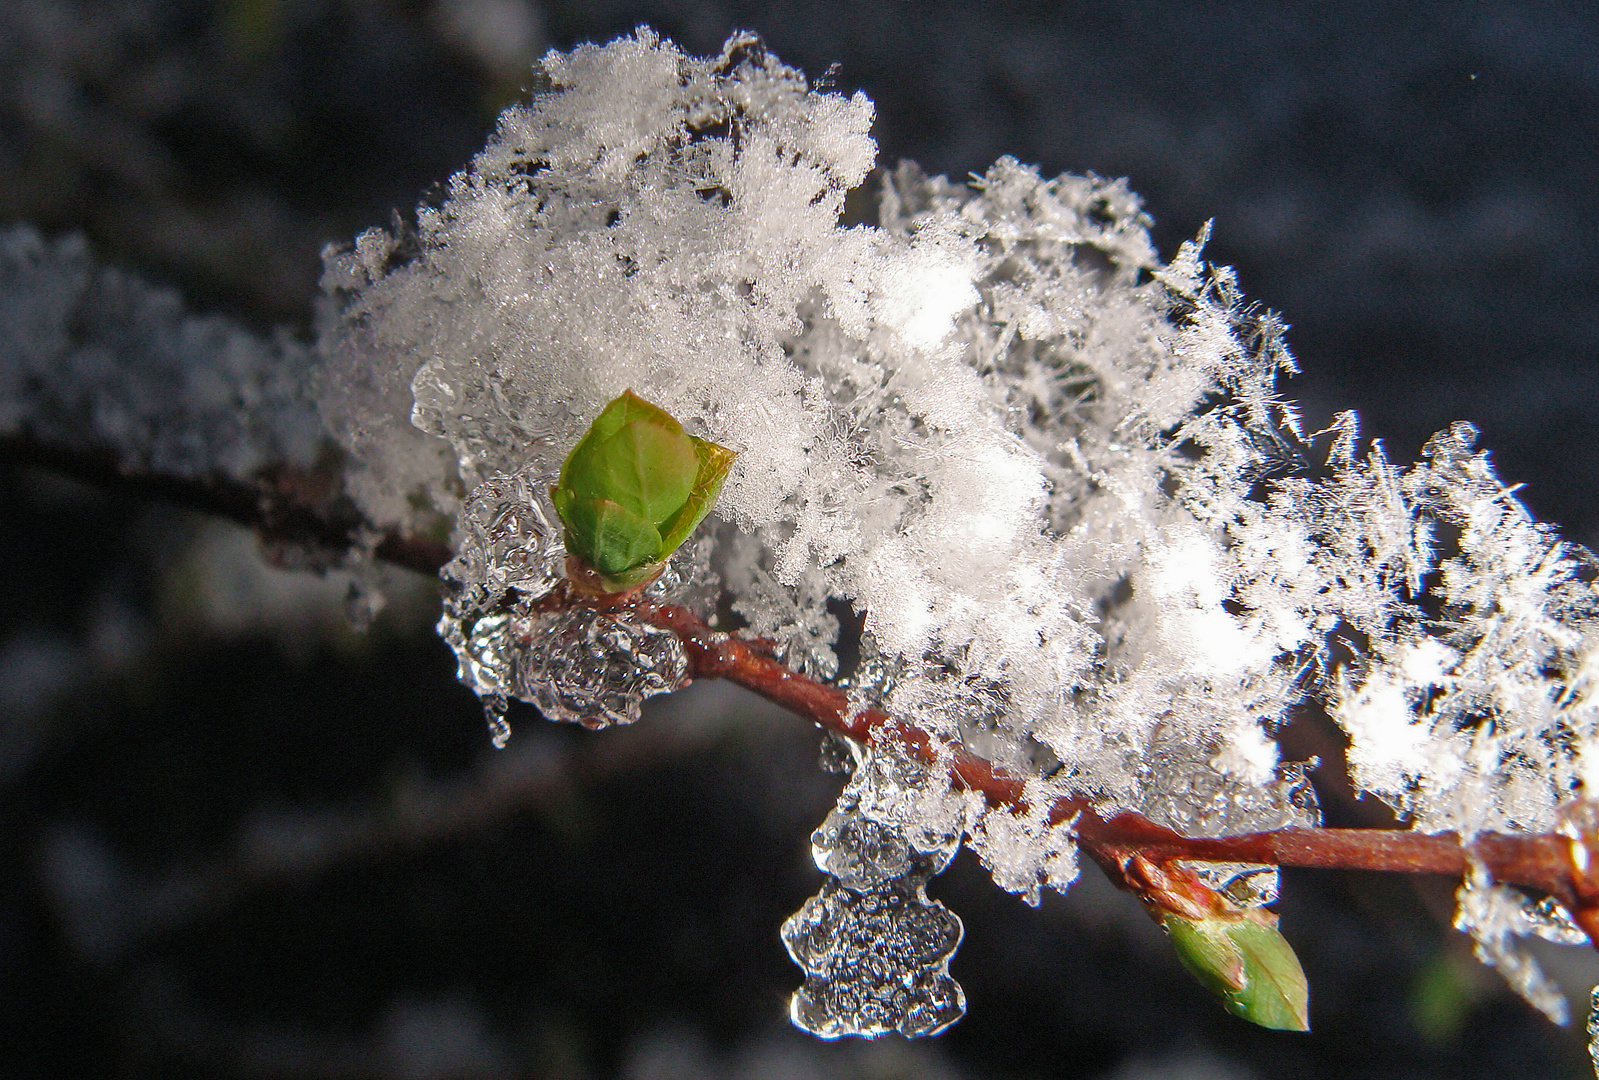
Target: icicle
x,y
1593,1028
875,950
494,708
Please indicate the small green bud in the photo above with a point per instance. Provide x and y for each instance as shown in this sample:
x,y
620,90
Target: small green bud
x,y
1247,962
633,489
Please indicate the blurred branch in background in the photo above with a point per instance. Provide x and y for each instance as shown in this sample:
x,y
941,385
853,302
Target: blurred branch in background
x,y
108,909
110,381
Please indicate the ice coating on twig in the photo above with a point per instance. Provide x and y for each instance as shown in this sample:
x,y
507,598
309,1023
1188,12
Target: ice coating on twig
x,y
575,663
595,668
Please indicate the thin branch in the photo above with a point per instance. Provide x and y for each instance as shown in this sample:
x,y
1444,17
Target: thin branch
x,y
302,516
273,847
1555,864
308,512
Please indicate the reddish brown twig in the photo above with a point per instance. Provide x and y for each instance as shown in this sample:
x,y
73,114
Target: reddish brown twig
x,y
308,512
1561,866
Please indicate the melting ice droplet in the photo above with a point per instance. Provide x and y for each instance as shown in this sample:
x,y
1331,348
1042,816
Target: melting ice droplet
x,y
580,665
874,947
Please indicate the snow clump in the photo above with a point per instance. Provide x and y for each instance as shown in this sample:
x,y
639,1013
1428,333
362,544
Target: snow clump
x,y
1050,472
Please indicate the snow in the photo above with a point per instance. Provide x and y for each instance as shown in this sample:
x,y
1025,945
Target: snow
x,y
1050,472
98,361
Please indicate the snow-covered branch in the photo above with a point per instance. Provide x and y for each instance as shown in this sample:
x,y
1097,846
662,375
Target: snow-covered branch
x,y
1095,560
110,380
1089,544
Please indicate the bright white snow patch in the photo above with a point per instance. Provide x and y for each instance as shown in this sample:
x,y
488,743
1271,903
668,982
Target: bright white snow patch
x,y
1051,472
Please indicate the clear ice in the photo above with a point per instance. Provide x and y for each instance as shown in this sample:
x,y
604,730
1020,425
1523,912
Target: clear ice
x,y
1593,1029
875,961
874,948
575,663
596,668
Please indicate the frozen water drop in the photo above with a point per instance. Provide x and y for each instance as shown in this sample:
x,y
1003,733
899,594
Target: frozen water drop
x,y
494,707
837,754
874,949
484,648
859,852
874,962
1248,884
595,668
1548,918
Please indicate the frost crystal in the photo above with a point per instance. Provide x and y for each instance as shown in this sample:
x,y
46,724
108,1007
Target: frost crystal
x,y
1048,472
1495,916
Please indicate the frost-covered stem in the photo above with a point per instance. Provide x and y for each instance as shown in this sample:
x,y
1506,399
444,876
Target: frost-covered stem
x,y
1549,863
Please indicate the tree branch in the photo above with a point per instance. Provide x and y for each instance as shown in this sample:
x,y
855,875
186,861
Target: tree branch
x,y
302,516
307,513
1561,866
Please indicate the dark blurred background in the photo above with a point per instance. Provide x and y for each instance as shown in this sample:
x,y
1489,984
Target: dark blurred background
x,y
244,840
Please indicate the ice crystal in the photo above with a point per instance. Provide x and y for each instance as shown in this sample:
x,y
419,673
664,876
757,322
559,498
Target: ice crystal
x,y
874,961
596,668
576,664
874,949
1024,852
1048,472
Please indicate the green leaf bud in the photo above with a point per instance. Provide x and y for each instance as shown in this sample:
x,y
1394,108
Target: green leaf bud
x,y
633,489
1245,960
